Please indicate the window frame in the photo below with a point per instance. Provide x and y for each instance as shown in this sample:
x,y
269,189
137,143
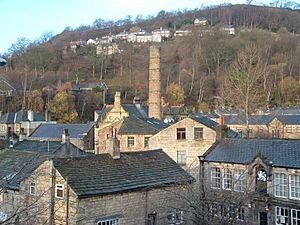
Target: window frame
x,y
297,187
227,179
240,181
213,170
279,216
130,141
181,133
114,221
32,186
278,187
197,131
297,211
146,142
182,156
59,187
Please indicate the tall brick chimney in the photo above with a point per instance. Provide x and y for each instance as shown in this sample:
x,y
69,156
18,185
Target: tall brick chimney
x,y
154,83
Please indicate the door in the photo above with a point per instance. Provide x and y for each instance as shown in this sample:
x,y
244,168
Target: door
x,y
263,218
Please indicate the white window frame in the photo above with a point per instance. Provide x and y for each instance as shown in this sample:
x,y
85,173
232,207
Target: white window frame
x,y
146,142
239,181
296,218
227,179
32,186
213,170
110,222
280,183
198,130
280,215
2,128
241,213
61,188
181,157
295,186
130,141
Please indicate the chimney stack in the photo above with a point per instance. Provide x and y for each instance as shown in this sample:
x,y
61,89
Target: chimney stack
x,y
65,136
112,145
117,102
221,132
154,83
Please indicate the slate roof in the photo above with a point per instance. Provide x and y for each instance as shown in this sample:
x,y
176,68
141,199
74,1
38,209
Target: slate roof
x,y
56,130
101,174
134,125
289,119
48,147
278,152
20,116
254,120
213,125
16,166
132,109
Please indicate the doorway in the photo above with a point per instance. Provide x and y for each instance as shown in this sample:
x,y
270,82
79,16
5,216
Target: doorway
x,y
263,218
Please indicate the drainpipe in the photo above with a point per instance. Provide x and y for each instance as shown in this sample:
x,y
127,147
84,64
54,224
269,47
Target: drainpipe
x,y
52,188
68,200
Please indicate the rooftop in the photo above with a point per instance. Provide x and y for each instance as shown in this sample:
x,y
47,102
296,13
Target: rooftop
x,y
101,174
278,152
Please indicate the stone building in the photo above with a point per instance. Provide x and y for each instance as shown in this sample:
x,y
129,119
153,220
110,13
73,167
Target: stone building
x,y
23,121
127,188
187,139
266,126
81,135
132,132
256,181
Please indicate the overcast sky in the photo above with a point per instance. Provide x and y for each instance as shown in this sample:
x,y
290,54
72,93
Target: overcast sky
x,y
31,18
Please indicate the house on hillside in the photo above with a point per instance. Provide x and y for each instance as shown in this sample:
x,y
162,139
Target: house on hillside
x,y
229,29
189,138
255,180
202,21
81,135
6,88
127,188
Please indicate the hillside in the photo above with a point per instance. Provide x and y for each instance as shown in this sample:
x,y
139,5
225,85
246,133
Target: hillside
x,y
199,62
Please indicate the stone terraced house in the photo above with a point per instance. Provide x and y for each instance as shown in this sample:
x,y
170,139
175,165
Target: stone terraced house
x,y
256,181
128,188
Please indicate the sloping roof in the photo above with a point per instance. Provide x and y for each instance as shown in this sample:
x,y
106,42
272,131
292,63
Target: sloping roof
x,y
289,119
101,174
49,147
56,130
278,152
134,125
213,125
16,166
132,109
254,120
20,116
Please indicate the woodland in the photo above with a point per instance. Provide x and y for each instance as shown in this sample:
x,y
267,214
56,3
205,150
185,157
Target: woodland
x,y
258,67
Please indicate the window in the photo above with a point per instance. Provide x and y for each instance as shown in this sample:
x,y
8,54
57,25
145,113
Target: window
x,y
198,133
295,186
215,177
108,222
282,216
241,213
181,157
130,142
295,217
181,134
280,185
240,181
289,130
32,188
81,210
227,179
146,142
59,191
175,217
3,128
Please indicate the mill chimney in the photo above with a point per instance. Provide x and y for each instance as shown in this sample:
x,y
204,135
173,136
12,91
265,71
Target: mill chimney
x,y
154,83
